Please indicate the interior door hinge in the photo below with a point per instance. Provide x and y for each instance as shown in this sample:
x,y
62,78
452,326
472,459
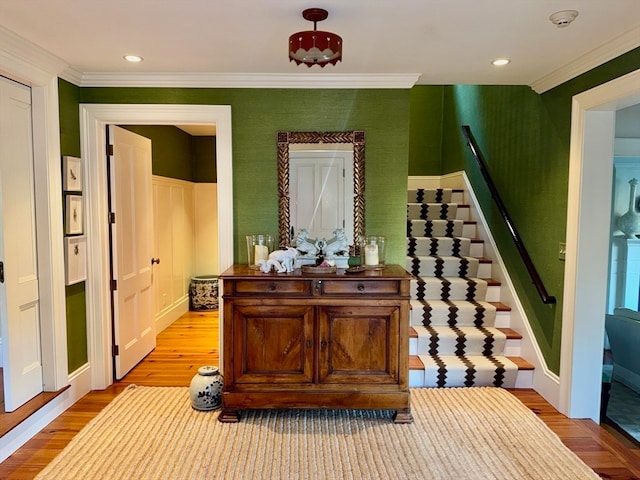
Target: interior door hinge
x,y
114,285
109,149
115,350
112,217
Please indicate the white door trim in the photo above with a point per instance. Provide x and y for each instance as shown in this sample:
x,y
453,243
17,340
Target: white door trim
x,y
20,65
586,261
93,121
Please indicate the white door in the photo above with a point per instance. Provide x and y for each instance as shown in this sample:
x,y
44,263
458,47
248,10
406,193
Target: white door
x,y
321,186
19,300
131,248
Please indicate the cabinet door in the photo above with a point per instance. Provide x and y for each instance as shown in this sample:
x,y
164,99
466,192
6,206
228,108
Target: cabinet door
x,y
273,344
359,344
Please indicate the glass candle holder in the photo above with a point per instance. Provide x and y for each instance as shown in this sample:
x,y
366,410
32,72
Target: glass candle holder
x,y
258,248
373,251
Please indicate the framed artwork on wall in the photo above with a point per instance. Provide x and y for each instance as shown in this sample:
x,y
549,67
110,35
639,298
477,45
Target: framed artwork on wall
x,y
73,215
71,174
75,259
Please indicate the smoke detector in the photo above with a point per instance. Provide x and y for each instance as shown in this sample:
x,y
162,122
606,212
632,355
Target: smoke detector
x,y
563,18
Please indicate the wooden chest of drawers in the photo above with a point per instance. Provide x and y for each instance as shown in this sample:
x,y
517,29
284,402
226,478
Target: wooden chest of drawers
x,y
315,341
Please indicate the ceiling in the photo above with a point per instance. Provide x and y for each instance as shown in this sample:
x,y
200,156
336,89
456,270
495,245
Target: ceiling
x,y
432,41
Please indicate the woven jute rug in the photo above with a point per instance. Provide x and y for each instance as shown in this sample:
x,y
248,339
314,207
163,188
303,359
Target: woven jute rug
x,y
458,433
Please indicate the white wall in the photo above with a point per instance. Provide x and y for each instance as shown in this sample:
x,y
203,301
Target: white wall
x,y
173,245
206,225
186,242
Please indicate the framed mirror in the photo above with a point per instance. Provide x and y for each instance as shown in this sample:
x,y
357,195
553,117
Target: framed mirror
x,y
285,140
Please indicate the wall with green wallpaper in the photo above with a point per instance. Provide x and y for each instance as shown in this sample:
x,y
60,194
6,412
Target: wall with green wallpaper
x,y
75,294
257,114
177,154
525,139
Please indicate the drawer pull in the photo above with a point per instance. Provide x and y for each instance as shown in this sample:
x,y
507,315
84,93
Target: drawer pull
x,y
309,344
323,344
360,287
272,287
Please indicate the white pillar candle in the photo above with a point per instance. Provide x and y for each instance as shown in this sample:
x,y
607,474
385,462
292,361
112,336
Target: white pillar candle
x,y
261,252
371,255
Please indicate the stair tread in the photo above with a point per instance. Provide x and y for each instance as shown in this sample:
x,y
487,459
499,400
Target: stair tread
x,y
416,364
509,332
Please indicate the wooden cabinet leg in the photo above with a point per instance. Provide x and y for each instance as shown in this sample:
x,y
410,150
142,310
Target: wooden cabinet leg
x,y
228,415
403,415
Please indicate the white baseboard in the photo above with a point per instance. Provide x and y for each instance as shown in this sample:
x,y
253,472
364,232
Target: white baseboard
x,y
171,314
80,385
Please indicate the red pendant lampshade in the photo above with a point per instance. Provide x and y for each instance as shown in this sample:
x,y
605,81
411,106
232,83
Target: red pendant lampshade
x,y
314,47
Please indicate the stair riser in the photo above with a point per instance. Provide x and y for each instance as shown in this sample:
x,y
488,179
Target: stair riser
x,y
444,267
454,313
513,347
524,379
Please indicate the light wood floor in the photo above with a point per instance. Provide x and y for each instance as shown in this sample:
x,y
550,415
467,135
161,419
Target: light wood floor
x,y
192,341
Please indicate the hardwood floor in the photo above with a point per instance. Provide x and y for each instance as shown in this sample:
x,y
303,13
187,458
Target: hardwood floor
x,y
192,341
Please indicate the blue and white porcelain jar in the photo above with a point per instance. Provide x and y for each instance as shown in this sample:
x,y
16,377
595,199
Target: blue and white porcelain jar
x,y
206,389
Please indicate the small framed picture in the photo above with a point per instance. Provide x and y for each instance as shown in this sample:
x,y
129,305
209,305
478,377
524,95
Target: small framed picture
x,y
73,215
75,259
71,174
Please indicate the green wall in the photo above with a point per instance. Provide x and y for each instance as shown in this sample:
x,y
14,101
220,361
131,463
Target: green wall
x,y
75,294
524,137
425,130
257,114
177,154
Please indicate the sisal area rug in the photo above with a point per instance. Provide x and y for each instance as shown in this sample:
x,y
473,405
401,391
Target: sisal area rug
x,y
459,433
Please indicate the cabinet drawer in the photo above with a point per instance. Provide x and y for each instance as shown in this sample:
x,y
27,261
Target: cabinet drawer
x,y
279,287
359,287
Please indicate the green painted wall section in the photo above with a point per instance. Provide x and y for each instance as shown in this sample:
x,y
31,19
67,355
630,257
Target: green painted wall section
x,y
69,98
257,114
524,138
170,150
204,159
425,130
177,154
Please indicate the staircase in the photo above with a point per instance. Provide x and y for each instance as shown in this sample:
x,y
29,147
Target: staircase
x,y
460,332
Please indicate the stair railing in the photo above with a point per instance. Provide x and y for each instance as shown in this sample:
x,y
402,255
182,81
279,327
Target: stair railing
x,y
533,273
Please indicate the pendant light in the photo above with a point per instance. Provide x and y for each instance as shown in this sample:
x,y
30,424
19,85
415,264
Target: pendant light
x,y
315,47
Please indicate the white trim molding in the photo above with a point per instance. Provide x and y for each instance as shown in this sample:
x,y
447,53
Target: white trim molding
x,y
245,80
587,242
619,45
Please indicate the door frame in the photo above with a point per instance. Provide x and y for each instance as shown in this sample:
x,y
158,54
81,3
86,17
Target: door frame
x,y
93,121
587,260
48,185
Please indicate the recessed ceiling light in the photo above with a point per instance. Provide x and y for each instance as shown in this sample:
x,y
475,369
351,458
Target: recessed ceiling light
x,y
499,62
133,58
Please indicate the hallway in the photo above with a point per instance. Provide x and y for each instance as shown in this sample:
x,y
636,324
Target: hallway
x,y
192,341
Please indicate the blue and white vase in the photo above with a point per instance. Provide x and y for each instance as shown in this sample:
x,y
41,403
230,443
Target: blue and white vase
x,y
206,389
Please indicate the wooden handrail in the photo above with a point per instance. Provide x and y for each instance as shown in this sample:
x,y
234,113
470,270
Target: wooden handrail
x,y
533,273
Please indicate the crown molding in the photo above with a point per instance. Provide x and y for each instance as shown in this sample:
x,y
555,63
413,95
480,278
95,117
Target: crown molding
x,y
26,58
617,46
224,80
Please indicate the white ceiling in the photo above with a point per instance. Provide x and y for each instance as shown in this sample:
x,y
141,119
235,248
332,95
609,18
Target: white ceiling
x,y
440,41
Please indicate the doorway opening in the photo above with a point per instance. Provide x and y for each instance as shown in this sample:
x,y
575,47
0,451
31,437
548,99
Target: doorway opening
x,y
94,118
586,264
